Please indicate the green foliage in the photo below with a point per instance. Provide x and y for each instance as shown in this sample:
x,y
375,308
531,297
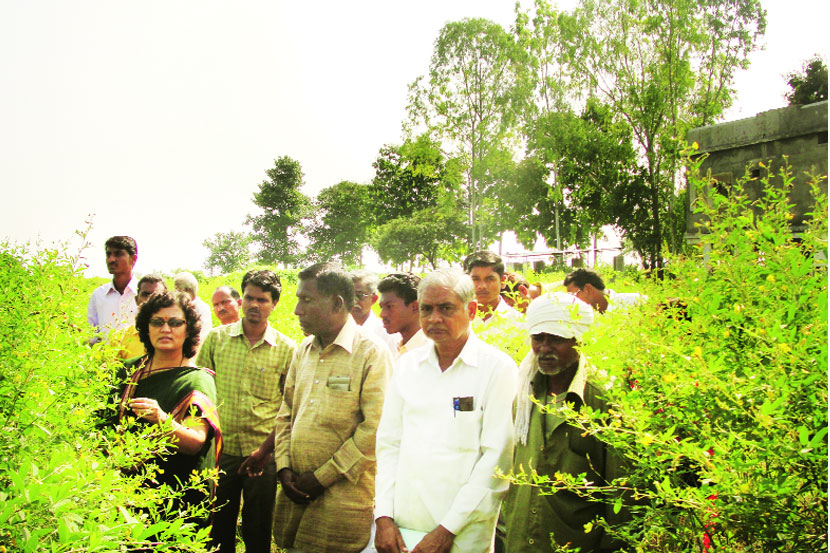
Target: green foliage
x,y
283,208
469,102
427,237
718,386
810,84
342,223
61,483
229,251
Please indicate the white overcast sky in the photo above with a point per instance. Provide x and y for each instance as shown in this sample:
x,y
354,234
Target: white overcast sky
x,y
159,118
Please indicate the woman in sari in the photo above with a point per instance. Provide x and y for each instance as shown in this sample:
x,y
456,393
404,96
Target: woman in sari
x,y
165,384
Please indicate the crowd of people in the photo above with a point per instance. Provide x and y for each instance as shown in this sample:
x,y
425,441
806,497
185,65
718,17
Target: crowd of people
x,y
385,433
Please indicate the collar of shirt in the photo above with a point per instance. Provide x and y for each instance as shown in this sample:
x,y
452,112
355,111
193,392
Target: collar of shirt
x,y
345,338
270,335
132,286
468,354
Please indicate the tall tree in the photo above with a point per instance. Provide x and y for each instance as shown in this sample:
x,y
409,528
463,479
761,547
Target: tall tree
x,y
411,177
663,66
284,207
810,84
469,101
229,251
342,222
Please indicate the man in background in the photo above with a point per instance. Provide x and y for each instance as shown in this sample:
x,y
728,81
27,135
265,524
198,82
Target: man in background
x,y
366,295
226,304
187,284
487,271
589,287
399,310
129,343
112,305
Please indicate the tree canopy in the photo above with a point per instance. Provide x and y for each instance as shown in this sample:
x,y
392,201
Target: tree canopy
x,y
810,84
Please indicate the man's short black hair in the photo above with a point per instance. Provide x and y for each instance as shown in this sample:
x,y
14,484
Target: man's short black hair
x,y
581,277
122,243
332,280
404,285
484,258
152,278
233,292
267,280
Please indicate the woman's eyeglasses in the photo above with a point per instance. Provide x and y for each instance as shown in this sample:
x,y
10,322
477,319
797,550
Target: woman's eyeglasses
x,y
172,323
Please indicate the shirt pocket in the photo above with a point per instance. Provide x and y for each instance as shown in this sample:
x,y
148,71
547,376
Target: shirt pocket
x,y
340,397
265,384
465,430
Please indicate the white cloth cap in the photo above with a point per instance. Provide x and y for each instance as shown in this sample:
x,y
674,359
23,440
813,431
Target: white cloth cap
x,y
559,314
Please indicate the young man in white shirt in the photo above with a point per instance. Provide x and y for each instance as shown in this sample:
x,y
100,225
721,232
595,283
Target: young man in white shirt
x,y
399,311
112,305
487,271
445,430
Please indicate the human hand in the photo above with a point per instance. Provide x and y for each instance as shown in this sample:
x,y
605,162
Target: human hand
x,y
288,479
309,484
147,409
254,464
388,537
438,541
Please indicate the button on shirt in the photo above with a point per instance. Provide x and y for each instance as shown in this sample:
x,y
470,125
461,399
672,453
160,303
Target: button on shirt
x,y
441,438
110,310
249,381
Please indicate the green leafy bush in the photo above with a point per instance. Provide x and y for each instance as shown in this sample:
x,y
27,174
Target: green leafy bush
x,y
61,483
718,386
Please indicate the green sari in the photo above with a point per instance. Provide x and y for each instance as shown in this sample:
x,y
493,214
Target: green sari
x,y
181,392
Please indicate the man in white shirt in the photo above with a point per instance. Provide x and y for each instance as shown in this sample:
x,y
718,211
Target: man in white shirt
x,y
112,305
589,287
446,429
487,271
187,284
365,296
226,303
399,311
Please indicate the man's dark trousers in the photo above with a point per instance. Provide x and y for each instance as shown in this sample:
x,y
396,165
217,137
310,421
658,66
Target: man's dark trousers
x,y
258,494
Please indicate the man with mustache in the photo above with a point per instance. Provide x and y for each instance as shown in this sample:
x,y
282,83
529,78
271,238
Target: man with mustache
x,y
365,296
445,431
226,304
555,374
112,305
250,359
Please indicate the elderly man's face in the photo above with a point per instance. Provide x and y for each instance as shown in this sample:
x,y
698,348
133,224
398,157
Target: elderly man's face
x,y
363,301
444,317
555,353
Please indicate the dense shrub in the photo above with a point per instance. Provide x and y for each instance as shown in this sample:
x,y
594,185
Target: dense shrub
x,y
61,484
719,386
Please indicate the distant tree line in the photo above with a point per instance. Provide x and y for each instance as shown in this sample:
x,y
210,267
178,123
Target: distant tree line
x,y
564,123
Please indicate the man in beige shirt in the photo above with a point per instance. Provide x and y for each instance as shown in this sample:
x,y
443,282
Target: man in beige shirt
x,y
325,429
399,310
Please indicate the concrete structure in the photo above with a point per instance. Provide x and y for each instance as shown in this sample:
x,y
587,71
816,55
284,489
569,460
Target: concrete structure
x,y
738,147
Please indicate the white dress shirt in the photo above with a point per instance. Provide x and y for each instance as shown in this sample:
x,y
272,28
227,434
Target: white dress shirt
x,y
110,310
436,457
620,301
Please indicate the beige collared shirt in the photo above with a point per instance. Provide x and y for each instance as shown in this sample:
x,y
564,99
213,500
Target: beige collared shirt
x,y
327,423
418,339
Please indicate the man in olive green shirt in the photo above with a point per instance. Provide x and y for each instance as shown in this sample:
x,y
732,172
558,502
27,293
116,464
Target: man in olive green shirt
x,y
250,360
555,373
325,430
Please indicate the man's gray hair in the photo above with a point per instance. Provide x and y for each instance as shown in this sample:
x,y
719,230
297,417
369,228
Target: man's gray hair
x,y
186,282
370,280
454,279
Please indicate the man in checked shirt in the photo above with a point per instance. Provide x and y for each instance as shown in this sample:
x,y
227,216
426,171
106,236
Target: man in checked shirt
x,y
250,359
325,431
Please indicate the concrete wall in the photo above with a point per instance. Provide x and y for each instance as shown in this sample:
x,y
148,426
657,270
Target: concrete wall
x,y
799,132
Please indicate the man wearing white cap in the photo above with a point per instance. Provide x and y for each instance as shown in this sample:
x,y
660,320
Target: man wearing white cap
x,y
555,373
